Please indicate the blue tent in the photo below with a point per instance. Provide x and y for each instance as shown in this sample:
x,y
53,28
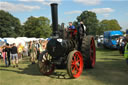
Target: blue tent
x,y
2,41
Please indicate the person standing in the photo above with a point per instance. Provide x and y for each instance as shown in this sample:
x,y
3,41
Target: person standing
x,y
29,50
40,47
4,54
44,44
0,52
32,52
126,53
14,54
25,50
80,34
8,53
83,28
99,42
37,49
20,50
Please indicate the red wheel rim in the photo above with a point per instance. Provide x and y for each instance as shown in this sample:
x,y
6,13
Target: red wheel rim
x,y
92,52
77,64
47,67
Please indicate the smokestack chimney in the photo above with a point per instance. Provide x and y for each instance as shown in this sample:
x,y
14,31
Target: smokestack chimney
x,y
54,10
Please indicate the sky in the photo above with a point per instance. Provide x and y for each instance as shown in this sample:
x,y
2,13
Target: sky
x,y
68,10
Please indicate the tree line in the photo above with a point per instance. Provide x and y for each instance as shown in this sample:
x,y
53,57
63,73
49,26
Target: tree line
x,y
94,26
10,26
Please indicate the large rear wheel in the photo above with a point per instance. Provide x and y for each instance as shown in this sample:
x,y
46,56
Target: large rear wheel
x,y
88,51
75,64
46,67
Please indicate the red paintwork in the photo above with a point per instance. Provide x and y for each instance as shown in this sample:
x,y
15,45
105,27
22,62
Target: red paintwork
x,y
93,52
77,64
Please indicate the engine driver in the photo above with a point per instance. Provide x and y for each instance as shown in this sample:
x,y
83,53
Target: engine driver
x,y
72,31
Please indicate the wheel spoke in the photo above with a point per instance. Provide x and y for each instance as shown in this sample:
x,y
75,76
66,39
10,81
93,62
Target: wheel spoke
x,y
73,63
77,57
78,61
76,68
46,56
74,59
41,66
44,69
73,70
49,68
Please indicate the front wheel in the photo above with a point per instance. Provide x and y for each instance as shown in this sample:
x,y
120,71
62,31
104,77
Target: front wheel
x,y
46,67
75,64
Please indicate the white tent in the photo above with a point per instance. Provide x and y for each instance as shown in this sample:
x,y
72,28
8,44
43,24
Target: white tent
x,y
21,40
10,40
18,41
15,40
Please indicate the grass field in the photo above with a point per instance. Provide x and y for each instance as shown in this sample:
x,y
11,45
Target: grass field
x,y
110,69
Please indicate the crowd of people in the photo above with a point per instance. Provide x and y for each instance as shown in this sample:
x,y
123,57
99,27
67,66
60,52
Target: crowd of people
x,y
11,54
35,48
123,47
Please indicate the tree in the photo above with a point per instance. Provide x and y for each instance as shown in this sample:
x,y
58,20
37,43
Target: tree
x,y
100,29
75,23
107,25
37,27
9,25
90,20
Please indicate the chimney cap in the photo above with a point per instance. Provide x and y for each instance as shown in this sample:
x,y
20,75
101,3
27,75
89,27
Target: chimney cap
x,y
54,4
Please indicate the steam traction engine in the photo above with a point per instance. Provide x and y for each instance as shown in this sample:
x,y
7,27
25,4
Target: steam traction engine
x,y
64,53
